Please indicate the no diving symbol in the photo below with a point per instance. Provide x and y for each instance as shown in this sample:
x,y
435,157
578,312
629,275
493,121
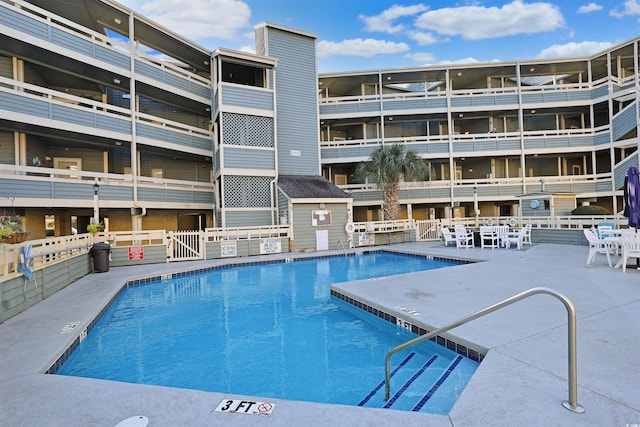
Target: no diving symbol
x,y
265,407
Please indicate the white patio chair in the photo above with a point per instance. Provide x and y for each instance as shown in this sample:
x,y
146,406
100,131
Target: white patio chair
x,y
488,237
596,246
464,238
448,237
630,244
604,231
527,235
516,237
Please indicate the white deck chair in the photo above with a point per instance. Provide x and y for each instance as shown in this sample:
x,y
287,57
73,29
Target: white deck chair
x,y
464,238
516,237
448,237
596,246
488,237
527,235
630,244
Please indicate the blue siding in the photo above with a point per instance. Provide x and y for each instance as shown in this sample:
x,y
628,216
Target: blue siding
x,y
25,24
247,97
174,137
248,218
247,158
173,80
172,196
599,92
297,101
484,100
486,144
624,121
556,96
370,107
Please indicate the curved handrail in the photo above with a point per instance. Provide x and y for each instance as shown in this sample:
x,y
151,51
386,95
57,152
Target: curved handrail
x,y
571,404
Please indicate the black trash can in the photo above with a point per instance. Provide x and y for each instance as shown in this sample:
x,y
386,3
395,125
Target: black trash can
x,y
100,254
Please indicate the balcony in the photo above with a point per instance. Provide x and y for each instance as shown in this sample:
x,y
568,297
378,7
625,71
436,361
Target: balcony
x,y
46,187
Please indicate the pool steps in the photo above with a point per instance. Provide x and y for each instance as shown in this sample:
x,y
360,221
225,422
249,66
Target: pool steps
x,y
417,381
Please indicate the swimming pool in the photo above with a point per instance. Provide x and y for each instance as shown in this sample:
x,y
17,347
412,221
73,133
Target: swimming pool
x,y
270,330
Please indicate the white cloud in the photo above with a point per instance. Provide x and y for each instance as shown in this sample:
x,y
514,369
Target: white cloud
x,y
384,22
423,39
224,19
467,60
588,8
358,47
629,7
247,49
420,57
573,49
479,22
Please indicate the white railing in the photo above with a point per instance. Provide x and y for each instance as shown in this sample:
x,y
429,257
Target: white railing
x,y
43,251
243,233
54,249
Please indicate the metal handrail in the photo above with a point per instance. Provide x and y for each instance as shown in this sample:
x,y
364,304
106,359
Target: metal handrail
x,y
571,404
344,249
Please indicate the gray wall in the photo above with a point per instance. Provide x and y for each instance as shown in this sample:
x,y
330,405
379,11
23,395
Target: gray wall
x,y
296,98
304,233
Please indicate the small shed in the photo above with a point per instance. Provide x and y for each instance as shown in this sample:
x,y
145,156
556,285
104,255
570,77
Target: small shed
x,y
317,211
545,203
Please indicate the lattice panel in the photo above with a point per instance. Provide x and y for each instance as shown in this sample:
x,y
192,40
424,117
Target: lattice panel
x,y
247,192
242,129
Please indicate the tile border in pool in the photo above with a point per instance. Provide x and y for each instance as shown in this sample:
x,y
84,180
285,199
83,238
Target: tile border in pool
x,y
464,350
53,367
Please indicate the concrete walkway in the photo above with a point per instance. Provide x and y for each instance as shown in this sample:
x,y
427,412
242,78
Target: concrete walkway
x,y
521,382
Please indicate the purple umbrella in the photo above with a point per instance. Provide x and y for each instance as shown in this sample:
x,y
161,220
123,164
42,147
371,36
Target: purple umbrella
x,y
632,197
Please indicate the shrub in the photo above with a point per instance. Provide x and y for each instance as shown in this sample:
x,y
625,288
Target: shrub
x,y
591,210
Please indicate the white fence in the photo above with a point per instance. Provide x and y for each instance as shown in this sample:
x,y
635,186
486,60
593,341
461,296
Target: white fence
x,y
188,245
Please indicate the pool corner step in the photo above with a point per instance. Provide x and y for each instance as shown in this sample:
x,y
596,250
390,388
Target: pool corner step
x,y
419,382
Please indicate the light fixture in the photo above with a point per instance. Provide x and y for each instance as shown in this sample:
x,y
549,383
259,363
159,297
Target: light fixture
x,y
321,206
206,62
116,81
460,115
532,69
533,111
459,73
388,77
96,188
118,143
390,119
118,21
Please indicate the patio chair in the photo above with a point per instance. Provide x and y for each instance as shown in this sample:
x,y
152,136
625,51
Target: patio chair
x,y
516,237
630,244
464,238
447,236
527,235
596,246
488,237
604,231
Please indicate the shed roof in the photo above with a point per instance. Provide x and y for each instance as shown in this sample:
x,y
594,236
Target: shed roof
x,y
308,186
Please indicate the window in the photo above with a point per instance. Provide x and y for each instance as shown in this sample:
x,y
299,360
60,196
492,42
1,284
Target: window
x,y
70,164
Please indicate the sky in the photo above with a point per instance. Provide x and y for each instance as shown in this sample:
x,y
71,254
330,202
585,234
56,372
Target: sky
x,y
361,35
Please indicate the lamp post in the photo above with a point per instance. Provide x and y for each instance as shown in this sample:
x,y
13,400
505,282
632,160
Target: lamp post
x,y
96,213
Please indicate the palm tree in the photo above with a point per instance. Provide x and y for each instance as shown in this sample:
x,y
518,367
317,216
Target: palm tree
x,y
386,167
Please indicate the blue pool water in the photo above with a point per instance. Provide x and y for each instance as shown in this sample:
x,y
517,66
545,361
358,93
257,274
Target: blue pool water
x,y
271,330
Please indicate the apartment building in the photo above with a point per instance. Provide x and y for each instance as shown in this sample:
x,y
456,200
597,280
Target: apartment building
x,y
491,133
95,97
102,109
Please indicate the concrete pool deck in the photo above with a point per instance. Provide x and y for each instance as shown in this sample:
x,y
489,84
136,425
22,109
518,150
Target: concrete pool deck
x,y
522,380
